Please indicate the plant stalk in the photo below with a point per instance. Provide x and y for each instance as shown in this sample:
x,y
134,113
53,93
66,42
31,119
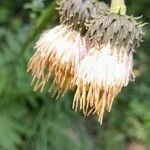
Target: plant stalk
x,y
118,6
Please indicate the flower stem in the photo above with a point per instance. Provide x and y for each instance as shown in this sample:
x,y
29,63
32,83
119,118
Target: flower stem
x,y
118,6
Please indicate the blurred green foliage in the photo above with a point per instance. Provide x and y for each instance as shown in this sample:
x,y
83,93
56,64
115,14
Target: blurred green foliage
x,y
35,121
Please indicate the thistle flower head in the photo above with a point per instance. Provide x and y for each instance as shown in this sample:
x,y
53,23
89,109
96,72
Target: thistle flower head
x,y
91,50
108,66
99,78
57,52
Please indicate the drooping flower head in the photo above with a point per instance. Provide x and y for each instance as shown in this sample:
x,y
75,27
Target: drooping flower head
x,y
102,73
56,55
91,50
60,49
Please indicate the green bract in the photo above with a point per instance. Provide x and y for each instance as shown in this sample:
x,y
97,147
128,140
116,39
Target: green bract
x,y
119,30
74,13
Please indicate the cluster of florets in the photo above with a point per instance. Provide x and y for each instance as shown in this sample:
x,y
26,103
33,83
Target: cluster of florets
x,y
91,52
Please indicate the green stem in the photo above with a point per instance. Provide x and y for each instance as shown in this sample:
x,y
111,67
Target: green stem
x,y
118,6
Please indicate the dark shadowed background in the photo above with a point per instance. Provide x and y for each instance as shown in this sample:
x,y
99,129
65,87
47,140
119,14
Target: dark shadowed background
x,y
35,121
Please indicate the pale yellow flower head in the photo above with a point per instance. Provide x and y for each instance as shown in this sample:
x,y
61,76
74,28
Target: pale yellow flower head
x,y
57,52
100,77
108,65
91,51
